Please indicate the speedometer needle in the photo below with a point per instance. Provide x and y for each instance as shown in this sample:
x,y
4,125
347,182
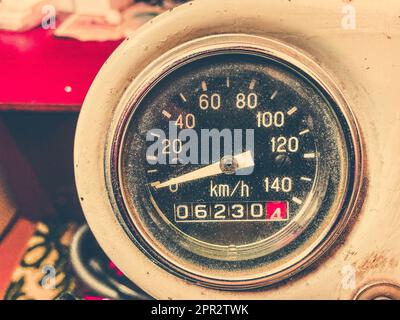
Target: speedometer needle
x,y
243,160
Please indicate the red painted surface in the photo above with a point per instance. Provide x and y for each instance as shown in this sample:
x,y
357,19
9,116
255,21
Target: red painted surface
x,y
276,210
36,70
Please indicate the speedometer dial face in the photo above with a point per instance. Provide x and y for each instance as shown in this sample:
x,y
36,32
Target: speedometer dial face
x,y
231,165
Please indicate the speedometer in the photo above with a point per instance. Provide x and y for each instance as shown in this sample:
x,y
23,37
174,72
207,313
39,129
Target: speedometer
x,y
218,158
232,158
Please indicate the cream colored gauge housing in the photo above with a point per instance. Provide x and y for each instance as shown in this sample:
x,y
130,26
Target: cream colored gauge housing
x,y
309,211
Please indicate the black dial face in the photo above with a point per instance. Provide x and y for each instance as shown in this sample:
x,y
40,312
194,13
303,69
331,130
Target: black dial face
x,y
233,157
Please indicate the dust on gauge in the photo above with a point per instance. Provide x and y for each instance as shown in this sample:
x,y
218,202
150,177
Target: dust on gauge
x,y
232,166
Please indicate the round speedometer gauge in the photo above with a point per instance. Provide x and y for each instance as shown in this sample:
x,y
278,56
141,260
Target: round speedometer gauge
x,y
233,165
225,162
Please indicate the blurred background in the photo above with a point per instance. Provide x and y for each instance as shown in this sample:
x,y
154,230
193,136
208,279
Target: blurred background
x,y
50,52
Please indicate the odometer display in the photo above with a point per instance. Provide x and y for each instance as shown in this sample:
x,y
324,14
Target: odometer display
x,y
192,205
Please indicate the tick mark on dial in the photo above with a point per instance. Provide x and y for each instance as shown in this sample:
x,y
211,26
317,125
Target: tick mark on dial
x,y
304,132
274,95
228,82
309,155
151,158
292,111
297,200
182,97
166,114
252,84
155,134
305,179
204,85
